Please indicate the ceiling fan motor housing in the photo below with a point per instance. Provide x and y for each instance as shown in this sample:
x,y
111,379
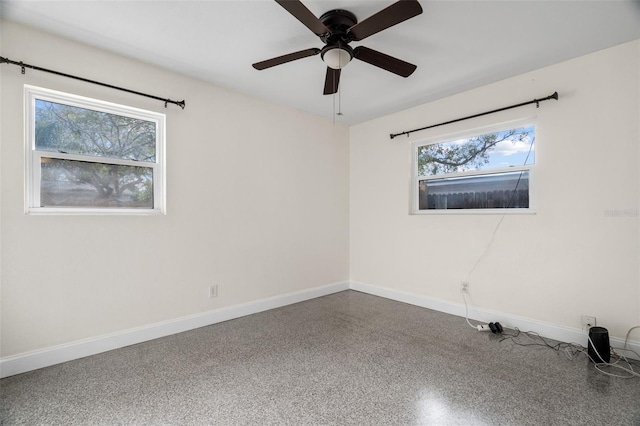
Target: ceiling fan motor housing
x,y
338,21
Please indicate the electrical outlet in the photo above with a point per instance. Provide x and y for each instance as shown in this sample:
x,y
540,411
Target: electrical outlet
x,y
588,322
213,291
464,287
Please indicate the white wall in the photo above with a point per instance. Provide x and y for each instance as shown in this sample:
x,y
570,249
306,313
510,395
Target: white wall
x,y
257,202
569,258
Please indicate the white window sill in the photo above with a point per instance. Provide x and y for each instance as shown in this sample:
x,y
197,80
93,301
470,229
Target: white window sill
x,y
61,211
474,212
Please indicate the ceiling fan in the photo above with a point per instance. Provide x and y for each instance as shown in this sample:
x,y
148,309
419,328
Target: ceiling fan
x,y
337,28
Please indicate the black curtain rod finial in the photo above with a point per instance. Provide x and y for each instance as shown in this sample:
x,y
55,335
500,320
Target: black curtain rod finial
x,y
181,103
393,135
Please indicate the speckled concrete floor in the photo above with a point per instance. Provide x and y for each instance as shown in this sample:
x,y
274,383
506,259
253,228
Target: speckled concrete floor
x,y
344,359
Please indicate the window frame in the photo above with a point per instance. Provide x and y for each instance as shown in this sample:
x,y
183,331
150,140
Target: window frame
x,y
414,207
33,155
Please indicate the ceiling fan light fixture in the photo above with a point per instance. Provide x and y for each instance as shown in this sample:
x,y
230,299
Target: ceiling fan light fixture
x,y
337,57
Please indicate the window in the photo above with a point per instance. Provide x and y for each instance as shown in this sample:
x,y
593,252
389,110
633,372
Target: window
x,y
89,156
487,171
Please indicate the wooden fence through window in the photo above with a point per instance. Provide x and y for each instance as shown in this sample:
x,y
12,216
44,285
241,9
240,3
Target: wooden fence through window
x,y
475,200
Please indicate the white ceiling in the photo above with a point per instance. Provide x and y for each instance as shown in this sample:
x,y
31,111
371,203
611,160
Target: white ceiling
x,y
457,45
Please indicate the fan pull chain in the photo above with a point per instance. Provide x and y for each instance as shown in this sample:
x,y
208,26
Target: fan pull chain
x,y
334,109
339,90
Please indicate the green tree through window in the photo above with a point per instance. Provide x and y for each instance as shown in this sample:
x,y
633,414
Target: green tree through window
x,y
472,153
73,130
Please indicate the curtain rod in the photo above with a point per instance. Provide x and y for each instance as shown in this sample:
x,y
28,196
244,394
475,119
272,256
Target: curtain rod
x,y
535,101
4,60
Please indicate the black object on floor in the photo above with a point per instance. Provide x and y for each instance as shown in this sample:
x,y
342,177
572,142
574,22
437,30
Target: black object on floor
x,y
599,345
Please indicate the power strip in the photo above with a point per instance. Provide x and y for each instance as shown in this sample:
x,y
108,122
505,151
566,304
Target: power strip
x,y
494,327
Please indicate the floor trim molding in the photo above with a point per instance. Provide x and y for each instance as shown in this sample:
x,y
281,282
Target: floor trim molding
x,y
33,360
552,331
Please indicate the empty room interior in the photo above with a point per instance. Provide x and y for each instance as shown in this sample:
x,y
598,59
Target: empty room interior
x,y
320,212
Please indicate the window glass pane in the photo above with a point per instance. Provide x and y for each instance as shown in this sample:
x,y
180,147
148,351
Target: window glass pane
x,y
514,147
70,129
492,191
66,183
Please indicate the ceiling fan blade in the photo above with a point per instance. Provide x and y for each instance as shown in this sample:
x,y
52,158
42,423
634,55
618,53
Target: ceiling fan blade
x,y
386,62
331,81
304,15
398,12
285,58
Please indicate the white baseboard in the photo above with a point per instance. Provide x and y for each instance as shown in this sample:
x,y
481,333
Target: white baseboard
x,y
552,331
33,360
